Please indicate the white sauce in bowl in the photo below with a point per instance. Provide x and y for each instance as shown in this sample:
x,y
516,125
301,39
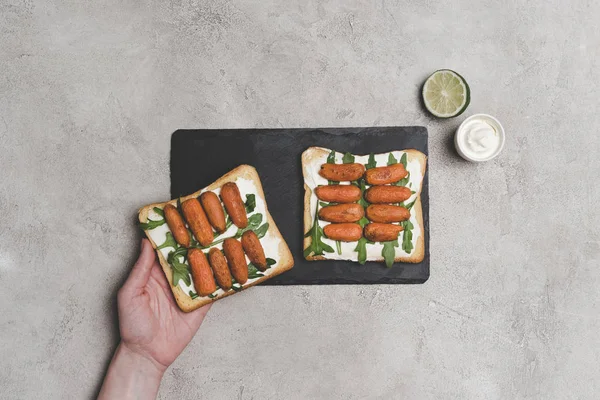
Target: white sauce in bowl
x,y
479,138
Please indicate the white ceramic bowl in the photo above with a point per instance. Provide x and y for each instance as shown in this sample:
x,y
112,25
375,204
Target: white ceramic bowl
x,y
460,132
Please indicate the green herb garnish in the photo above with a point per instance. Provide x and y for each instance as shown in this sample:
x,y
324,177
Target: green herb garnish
x,y
270,262
250,203
404,160
237,287
323,204
361,248
371,163
389,253
363,222
253,223
212,295
169,242
262,230
151,224
403,181
180,270
407,245
253,272
180,251
392,160
362,184
316,247
331,157
193,295
410,205
348,158
338,246
331,160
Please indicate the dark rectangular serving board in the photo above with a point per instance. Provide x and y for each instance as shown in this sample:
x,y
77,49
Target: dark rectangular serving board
x,y
199,157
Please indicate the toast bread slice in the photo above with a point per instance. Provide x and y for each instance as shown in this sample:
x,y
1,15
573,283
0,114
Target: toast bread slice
x,y
284,258
313,154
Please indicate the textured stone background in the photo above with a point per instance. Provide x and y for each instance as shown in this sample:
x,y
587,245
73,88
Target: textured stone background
x,y
90,93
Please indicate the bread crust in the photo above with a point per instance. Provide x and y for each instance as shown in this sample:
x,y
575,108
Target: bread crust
x,y
418,253
285,261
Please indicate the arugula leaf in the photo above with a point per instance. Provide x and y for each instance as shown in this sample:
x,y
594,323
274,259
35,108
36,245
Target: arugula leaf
x,y
253,223
316,247
410,205
338,246
169,242
361,248
262,230
392,160
407,245
181,251
389,253
180,271
348,158
236,288
363,222
253,272
331,160
331,157
363,187
403,181
270,262
250,203
404,160
371,163
193,295
361,183
159,211
151,224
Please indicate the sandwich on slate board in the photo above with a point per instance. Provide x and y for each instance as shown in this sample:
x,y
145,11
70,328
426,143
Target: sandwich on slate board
x,y
217,241
363,208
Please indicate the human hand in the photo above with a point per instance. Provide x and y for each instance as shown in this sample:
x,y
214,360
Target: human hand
x,y
154,331
150,322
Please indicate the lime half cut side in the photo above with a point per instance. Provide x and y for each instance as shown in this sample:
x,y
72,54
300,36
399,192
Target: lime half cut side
x,y
446,94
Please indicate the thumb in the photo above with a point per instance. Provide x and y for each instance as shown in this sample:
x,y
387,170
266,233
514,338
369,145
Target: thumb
x,y
140,273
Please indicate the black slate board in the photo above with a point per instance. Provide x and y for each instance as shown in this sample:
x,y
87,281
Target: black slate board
x,y
199,157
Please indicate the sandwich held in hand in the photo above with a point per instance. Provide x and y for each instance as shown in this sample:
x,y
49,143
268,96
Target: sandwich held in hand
x,y
217,241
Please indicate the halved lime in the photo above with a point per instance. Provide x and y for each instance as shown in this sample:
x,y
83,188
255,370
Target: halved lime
x,y
446,94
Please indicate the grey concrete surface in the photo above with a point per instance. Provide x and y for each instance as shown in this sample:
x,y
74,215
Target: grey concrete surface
x,y
90,93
